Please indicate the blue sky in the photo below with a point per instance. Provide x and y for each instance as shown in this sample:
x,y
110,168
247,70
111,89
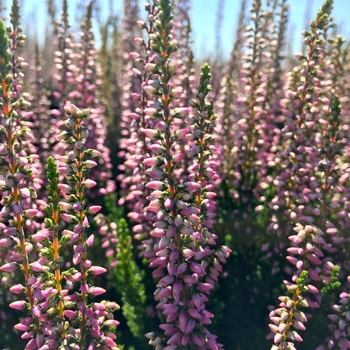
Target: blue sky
x,y
203,17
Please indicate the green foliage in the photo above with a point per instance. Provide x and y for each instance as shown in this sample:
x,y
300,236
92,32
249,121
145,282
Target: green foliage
x,y
5,55
129,281
332,285
53,189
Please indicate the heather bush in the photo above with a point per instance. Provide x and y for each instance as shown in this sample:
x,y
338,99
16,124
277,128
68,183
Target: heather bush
x,y
153,199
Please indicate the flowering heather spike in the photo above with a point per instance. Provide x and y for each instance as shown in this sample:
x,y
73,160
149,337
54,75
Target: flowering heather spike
x,y
314,174
178,242
280,156
79,181
228,113
185,80
55,244
236,53
289,315
16,41
43,126
137,131
12,207
340,319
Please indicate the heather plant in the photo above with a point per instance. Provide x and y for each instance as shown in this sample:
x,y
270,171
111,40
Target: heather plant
x,y
125,166
37,254
182,208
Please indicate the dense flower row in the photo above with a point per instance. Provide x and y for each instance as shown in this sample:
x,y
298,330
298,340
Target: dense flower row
x,y
192,171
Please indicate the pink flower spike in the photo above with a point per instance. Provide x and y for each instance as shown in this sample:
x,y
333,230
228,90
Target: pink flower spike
x,y
139,41
10,231
65,206
205,287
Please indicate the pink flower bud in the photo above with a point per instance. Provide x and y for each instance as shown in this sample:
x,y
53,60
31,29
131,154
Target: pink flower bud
x,y
5,242
97,270
182,111
192,186
90,164
152,134
77,206
150,67
9,267
134,55
97,291
180,134
94,209
153,161
187,253
37,267
66,189
155,185
30,213
95,153
17,289
18,305
87,264
139,41
67,217
70,314
89,183
90,241
84,288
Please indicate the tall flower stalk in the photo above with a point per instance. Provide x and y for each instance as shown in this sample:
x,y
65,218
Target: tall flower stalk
x,y
182,240
313,153
18,173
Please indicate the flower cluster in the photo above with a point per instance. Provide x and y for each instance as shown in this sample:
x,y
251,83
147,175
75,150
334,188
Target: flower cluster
x,y
181,191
